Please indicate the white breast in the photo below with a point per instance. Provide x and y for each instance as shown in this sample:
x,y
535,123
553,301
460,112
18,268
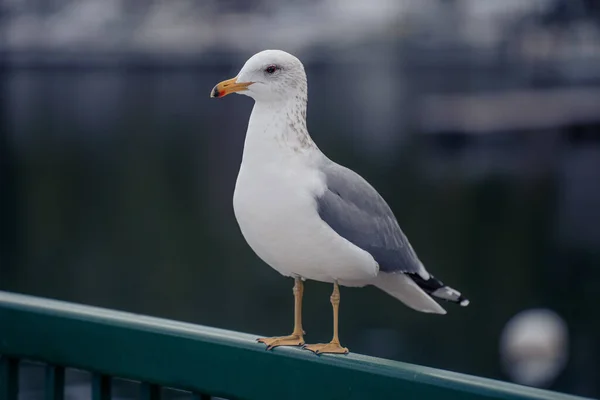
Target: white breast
x,y
274,204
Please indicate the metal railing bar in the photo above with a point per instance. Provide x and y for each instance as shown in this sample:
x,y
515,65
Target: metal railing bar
x,y
55,382
223,363
9,378
101,387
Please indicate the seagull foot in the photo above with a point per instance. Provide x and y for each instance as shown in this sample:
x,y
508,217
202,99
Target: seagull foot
x,y
291,340
332,348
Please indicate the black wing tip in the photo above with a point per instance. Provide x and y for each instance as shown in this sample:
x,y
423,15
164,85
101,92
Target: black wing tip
x,y
433,286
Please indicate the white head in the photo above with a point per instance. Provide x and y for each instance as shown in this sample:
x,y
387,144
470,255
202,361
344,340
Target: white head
x,y
271,75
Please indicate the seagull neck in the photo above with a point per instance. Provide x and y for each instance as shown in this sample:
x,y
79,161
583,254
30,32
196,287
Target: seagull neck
x,y
281,124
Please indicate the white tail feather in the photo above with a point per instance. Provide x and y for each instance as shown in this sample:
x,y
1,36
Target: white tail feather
x,y
407,291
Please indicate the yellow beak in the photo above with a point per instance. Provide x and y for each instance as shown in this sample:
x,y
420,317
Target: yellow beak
x,y
229,86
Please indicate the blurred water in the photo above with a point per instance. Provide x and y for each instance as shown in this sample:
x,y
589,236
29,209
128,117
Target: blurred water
x,y
119,195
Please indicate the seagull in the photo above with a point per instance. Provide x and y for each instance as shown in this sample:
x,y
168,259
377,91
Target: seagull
x,y
310,218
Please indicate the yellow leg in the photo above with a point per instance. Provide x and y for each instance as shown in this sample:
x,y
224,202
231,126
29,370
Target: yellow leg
x,y
297,336
334,346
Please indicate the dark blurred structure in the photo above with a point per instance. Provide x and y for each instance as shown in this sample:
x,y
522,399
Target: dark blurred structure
x,y
477,120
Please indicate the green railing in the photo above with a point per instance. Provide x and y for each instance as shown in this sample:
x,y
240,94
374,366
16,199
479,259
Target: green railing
x,y
207,362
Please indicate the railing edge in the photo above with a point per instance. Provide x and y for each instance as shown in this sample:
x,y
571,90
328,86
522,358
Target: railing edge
x,y
218,355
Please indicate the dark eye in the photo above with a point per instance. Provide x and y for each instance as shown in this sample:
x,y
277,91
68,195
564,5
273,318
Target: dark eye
x,y
271,69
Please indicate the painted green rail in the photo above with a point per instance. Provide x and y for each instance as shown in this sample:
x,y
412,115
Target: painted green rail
x,y
207,361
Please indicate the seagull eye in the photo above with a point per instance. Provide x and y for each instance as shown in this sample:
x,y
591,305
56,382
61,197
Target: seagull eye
x,y
271,69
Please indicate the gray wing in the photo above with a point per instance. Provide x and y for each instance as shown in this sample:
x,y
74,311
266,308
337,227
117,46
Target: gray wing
x,y
354,209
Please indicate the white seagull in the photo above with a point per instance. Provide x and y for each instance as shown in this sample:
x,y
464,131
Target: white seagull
x,y
308,217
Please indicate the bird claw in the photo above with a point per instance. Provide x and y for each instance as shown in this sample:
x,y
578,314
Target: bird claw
x,y
331,348
291,340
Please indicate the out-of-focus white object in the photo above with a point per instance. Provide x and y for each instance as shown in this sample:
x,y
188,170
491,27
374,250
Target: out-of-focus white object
x,y
534,347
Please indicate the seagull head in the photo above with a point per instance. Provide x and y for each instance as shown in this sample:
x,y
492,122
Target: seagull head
x,y
271,75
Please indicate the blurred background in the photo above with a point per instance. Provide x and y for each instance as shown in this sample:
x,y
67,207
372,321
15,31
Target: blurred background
x,y
478,121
